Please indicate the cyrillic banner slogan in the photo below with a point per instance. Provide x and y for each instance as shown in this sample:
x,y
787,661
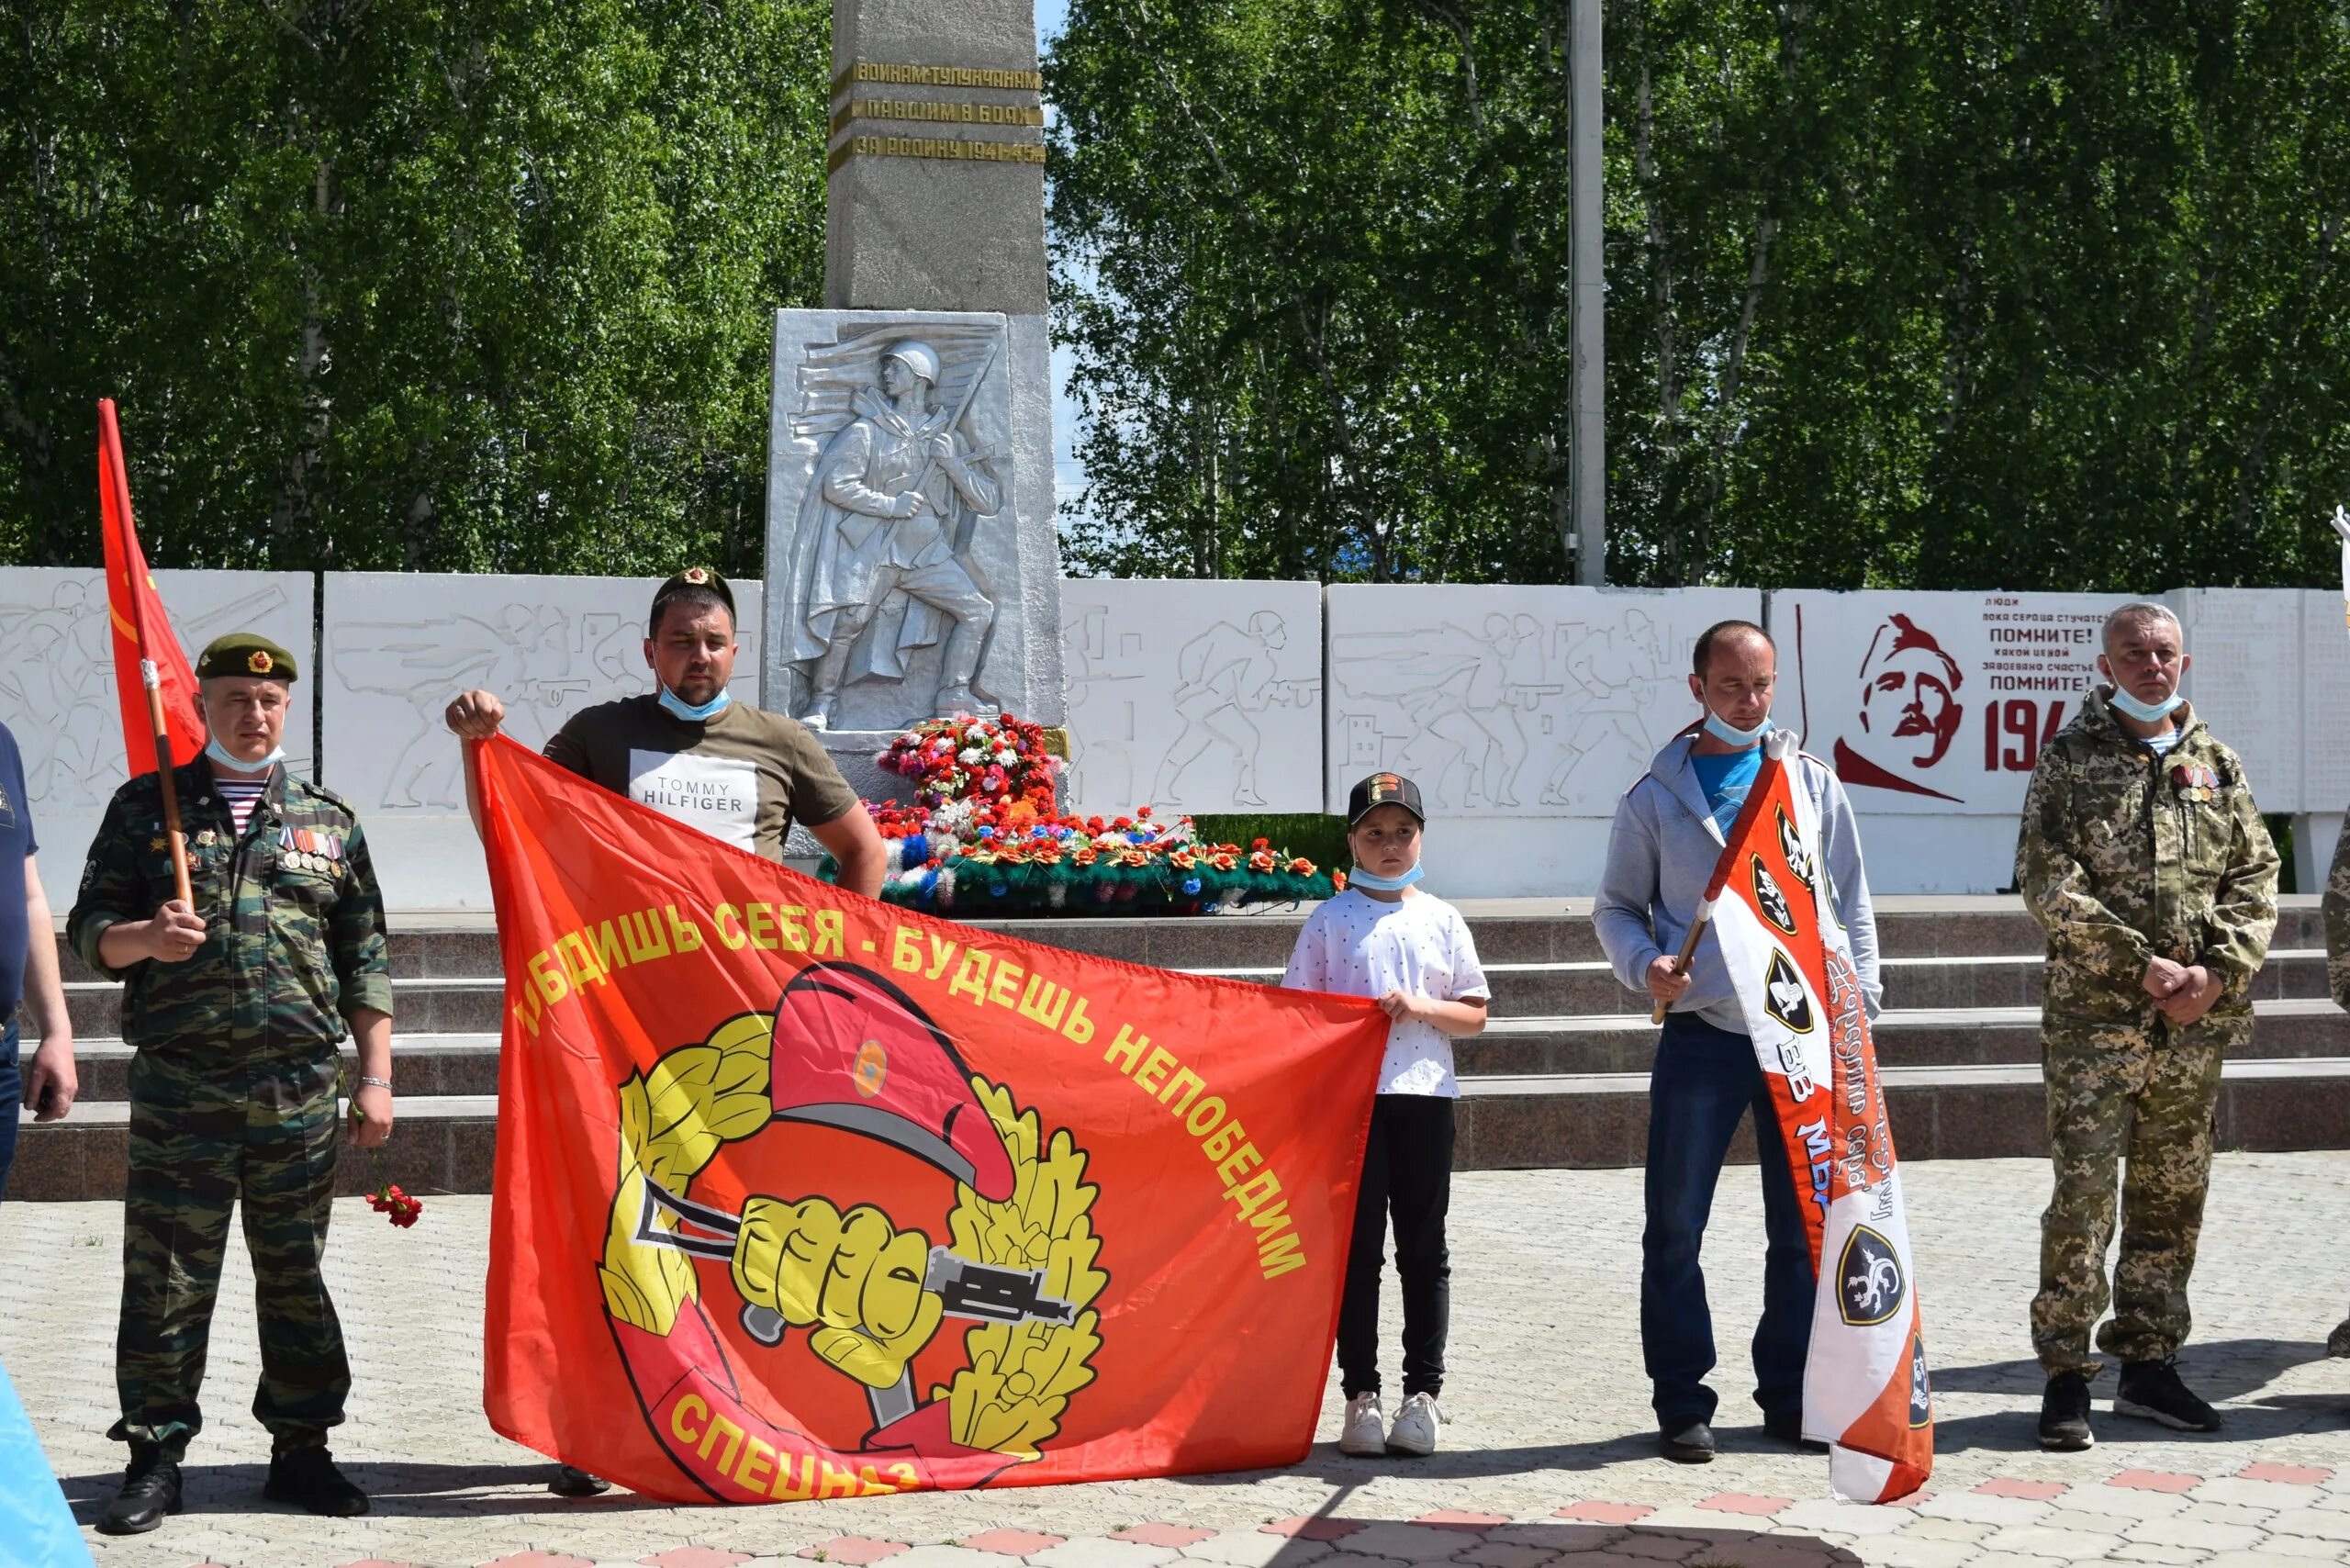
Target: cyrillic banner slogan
x,y
799,1195
1865,1388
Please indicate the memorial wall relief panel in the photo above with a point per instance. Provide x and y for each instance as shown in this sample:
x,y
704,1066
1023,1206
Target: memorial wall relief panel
x,y
1192,696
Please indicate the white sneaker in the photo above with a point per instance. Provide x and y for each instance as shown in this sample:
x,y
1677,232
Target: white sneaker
x,y
1416,1424
1363,1433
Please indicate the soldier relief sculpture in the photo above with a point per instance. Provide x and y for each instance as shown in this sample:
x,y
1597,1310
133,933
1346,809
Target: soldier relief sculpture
x,y
892,604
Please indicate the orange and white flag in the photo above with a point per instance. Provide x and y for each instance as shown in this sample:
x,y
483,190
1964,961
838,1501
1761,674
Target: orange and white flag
x,y
1866,1389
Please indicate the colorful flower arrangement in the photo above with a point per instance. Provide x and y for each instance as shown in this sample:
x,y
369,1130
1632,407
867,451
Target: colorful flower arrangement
x,y
394,1203
986,836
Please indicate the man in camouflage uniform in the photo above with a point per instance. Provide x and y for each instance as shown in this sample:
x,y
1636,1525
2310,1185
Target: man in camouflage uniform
x,y
2336,904
2144,857
235,1007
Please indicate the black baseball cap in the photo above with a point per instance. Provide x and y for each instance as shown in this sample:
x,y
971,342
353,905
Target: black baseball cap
x,y
1384,789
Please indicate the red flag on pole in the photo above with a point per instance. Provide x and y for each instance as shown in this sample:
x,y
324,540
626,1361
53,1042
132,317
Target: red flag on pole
x,y
143,640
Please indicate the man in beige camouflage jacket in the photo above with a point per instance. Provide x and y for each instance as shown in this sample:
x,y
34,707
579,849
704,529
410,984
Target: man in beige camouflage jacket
x,y
2144,857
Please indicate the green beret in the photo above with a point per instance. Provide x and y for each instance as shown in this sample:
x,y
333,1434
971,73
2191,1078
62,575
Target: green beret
x,y
703,577
245,653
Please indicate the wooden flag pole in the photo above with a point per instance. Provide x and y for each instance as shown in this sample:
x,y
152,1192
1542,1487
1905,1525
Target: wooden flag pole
x,y
110,437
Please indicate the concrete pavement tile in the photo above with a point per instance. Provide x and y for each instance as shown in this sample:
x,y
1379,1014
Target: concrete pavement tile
x,y
1541,1535
2326,1524
2041,1541
695,1557
946,1557
2012,1559
1659,1546
1602,1513
2300,1548
1097,1551
1011,1542
2127,1504
856,1549
1751,1504
1929,1527
1177,1536
535,1559
2155,1552
1466,1520
2224,1514
1976,1509
2096,1524
1910,1551
2191,1532
1502,1554
2291,1474
1602,1560
1830,1516
1406,1544
2011,1486
2256,1493
1315,1527
1257,1549
2155,1480
2260,1558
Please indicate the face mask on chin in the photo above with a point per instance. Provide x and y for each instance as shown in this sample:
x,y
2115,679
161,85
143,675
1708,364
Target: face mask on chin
x,y
221,759
1729,735
1377,883
693,713
2144,713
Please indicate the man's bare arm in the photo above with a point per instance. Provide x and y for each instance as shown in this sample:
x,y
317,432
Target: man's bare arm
x,y
853,840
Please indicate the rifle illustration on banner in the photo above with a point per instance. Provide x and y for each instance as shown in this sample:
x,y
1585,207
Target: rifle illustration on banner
x,y
1772,906
164,697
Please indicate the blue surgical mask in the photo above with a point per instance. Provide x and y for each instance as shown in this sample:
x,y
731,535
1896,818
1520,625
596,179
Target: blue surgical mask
x,y
692,715
1728,734
221,758
1379,884
2145,712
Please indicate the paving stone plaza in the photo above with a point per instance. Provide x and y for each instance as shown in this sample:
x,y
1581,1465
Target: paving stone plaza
x,y
1549,1458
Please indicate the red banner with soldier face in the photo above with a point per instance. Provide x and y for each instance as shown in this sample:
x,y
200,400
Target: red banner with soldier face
x,y
800,1195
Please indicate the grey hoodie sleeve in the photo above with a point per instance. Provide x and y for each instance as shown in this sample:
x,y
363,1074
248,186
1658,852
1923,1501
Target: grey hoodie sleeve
x,y
1619,913
1840,838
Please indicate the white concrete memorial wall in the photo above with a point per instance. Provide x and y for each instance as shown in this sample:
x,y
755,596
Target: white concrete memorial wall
x,y
58,692
1523,713
1193,697
399,645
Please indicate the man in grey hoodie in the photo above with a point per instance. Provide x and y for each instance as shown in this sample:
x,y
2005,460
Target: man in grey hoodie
x,y
1667,837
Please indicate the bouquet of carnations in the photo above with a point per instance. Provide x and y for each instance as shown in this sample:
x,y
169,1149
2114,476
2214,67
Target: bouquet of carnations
x,y
986,836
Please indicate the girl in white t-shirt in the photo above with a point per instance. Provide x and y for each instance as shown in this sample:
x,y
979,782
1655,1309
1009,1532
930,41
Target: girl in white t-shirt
x,y
1385,939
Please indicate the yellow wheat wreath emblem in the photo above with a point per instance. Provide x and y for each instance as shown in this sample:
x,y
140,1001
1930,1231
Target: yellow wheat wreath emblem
x,y
867,1291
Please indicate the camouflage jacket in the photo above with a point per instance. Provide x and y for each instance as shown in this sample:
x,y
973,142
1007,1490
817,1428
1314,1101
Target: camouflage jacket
x,y
2336,904
2128,854
296,940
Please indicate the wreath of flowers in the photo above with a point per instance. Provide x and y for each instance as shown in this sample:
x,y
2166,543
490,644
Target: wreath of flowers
x,y
986,833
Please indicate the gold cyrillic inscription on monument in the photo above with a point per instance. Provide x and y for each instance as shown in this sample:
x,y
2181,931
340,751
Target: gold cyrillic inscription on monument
x,y
939,76
935,147
952,114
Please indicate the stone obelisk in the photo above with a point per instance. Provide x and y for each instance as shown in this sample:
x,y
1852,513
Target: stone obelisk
x,y
912,568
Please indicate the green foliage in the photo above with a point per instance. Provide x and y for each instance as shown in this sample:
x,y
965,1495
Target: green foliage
x,y
1932,293
1317,836
453,285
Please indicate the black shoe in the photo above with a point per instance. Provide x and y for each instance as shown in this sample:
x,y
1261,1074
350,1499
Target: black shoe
x,y
150,1488
1687,1442
2338,1342
570,1481
1786,1427
2065,1414
2152,1389
307,1477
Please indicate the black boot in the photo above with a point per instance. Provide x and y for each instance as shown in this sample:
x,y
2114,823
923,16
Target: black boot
x,y
307,1477
2151,1390
150,1488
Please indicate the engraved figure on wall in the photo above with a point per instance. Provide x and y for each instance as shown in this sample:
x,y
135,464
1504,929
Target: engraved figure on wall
x,y
1224,674
882,552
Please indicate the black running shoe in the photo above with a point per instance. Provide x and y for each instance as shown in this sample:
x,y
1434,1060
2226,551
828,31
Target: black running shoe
x,y
150,1488
2338,1342
307,1477
570,1481
2151,1390
2065,1414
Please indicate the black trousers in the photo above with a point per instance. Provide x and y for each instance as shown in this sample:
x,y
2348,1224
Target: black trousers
x,y
1406,1172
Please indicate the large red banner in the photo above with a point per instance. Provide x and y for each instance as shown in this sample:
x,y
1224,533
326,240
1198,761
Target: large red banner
x,y
142,633
800,1195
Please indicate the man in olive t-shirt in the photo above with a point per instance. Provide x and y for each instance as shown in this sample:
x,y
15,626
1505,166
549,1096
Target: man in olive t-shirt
x,y
691,752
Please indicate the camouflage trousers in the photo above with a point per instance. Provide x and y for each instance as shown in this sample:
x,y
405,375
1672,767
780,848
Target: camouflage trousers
x,y
203,1137
2144,1091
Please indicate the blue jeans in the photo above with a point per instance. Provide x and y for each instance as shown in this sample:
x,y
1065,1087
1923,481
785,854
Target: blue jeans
x,y
1704,1080
12,1091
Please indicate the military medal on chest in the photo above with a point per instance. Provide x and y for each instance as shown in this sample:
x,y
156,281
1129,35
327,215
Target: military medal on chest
x,y
2194,781
312,850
